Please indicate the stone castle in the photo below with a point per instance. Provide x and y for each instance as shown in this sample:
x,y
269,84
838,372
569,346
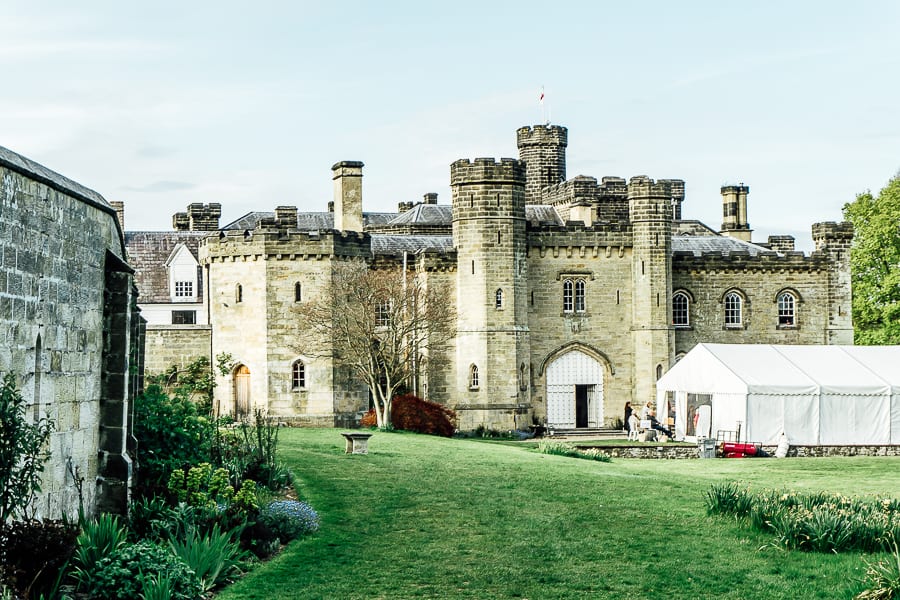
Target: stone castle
x,y
572,296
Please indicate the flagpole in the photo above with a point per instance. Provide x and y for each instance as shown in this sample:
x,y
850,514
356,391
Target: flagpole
x,y
543,111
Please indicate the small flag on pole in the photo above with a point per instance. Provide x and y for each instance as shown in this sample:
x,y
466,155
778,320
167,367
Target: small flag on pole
x,y
543,111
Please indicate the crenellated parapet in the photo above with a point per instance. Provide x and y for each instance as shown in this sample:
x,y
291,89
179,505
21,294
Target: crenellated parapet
x,y
465,172
771,262
543,150
270,242
649,200
829,234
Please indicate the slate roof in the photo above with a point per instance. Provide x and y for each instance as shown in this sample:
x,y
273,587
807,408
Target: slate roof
x,y
541,213
38,172
147,254
308,221
724,245
425,214
692,227
394,245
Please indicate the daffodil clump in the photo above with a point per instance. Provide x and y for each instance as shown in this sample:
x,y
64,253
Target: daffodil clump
x,y
813,521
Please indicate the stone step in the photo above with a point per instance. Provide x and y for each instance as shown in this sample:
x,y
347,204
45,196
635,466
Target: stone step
x,y
588,432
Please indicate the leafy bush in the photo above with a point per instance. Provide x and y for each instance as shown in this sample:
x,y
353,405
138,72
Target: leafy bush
x,y
23,452
883,578
98,540
289,519
171,433
560,448
213,557
122,574
817,521
149,518
33,553
411,413
250,452
728,499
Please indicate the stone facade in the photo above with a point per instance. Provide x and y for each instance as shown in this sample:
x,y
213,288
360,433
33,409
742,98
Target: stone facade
x,y
572,296
71,331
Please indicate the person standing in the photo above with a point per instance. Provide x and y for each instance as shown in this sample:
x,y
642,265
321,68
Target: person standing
x,y
628,411
645,412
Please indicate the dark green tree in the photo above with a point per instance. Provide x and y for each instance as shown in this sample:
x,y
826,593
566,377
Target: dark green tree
x,y
23,452
875,264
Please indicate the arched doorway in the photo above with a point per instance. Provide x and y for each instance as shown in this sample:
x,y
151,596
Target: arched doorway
x,y
241,391
574,391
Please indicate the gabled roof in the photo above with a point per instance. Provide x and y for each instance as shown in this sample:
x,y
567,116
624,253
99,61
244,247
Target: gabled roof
x,y
39,172
394,245
307,221
425,214
149,253
721,244
536,214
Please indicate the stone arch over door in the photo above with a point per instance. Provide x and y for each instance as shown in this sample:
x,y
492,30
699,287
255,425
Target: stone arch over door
x,y
575,382
241,391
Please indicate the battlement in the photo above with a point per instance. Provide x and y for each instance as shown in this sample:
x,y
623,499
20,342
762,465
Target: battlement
x,y
271,241
541,135
487,170
613,187
641,186
199,217
578,189
829,230
710,261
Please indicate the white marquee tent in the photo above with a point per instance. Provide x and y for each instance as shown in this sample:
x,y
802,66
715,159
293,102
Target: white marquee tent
x,y
816,395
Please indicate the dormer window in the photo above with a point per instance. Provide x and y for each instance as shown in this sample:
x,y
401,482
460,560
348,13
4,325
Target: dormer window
x,y
184,289
182,269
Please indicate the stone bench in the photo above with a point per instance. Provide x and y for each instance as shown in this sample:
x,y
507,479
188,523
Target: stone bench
x,y
357,443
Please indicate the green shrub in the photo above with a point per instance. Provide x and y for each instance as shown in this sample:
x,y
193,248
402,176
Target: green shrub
x,y
23,452
289,519
213,557
33,554
98,540
121,575
149,519
157,587
728,499
883,578
171,433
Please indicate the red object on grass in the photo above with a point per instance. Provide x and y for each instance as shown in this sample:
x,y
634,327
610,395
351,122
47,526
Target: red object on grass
x,y
729,448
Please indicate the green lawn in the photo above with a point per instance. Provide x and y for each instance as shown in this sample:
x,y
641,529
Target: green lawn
x,y
426,517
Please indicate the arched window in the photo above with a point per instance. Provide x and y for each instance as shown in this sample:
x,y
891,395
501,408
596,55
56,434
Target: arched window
x,y
238,293
659,372
298,292
787,307
473,377
573,295
298,375
681,309
734,305
498,299
579,295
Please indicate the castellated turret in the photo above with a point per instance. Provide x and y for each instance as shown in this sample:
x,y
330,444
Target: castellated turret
x,y
543,150
650,206
834,239
492,274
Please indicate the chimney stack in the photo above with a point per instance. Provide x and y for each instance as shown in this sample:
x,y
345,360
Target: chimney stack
x,y
347,176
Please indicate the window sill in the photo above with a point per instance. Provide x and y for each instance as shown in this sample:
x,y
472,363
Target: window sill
x,y
683,327
787,327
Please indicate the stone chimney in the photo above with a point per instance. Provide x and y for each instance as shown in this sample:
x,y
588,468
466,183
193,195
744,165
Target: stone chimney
x,y
347,176
582,211
430,198
734,212
204,217
286,216
402,207
781,244
119,207
180,221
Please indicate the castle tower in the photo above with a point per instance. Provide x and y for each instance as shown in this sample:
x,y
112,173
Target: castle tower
x,y
835,239
347,176
650,205
543,150
492,353
734,212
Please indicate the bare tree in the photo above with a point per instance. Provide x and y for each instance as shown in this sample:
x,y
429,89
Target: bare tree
x,y
377,322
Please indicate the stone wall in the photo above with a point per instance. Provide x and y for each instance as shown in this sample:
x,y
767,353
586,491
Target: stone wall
x,y
61,257
175,345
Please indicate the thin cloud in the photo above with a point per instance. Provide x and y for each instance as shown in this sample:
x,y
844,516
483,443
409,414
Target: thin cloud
x,y
161,186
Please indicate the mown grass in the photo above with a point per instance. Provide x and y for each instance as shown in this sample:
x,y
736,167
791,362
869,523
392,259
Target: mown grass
x,y
426,517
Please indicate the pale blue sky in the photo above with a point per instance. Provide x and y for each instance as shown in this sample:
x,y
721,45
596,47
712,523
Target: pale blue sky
x,y
249,104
